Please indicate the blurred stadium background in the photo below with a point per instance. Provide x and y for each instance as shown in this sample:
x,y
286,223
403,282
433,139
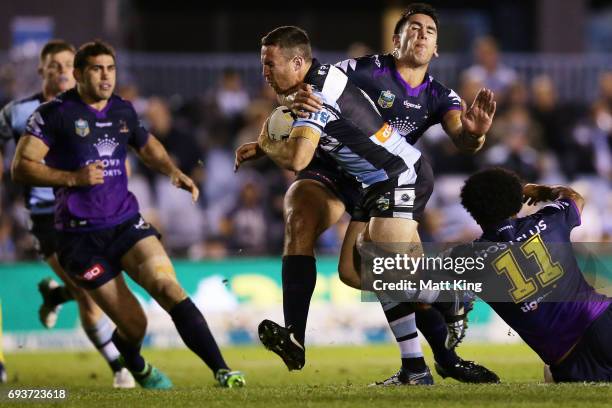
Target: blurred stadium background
x,y
192,71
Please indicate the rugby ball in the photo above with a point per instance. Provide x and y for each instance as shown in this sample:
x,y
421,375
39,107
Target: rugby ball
x,y
280,123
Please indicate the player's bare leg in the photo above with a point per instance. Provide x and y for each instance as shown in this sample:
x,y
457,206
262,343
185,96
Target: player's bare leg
x,y
400,316
97,326
310,209
149,265
122,307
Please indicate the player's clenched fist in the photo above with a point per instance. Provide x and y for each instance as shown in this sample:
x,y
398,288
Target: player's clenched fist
x,y
90,175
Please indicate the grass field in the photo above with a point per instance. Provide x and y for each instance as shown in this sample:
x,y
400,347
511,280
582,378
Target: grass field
x,y
333,377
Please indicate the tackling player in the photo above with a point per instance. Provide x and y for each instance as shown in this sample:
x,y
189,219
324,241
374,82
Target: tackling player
x,y
55,68
532,279
411,101
83,136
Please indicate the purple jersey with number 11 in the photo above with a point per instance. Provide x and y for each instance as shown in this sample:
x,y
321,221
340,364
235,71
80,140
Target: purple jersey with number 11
x,y
78,135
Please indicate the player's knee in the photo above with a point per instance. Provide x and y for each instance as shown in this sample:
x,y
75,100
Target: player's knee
x,y
348,275
168,293
300,231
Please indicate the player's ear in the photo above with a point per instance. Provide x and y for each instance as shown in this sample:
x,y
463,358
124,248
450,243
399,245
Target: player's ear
x,y
298,62
396,40
435,53
77,74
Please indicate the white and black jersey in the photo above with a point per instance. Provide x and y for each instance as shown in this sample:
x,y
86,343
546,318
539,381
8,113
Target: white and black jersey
x,y
13,119
353,132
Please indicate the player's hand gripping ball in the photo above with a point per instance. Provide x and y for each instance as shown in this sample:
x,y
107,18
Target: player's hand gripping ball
x,y
280,123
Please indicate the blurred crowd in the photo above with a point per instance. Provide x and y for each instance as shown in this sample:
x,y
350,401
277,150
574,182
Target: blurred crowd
x,y
242,213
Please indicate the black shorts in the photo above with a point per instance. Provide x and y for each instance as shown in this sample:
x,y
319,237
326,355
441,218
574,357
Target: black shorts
x,y
591,359
93,258
389,199
43,230
342,184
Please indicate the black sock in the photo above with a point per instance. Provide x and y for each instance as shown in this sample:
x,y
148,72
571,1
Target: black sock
x,y
194,331
130,353
299,280
115,365
414,364
59,295
431,324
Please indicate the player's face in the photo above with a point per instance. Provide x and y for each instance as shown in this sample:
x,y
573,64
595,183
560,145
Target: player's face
x,y
56,72
417,42
98,78
278,70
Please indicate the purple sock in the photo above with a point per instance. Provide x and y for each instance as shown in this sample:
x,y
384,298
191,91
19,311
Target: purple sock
x,y
194,331
131,354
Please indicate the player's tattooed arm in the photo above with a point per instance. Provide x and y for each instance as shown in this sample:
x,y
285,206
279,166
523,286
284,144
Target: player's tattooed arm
x,y
28,167
536,193
294,153
155,156
468,127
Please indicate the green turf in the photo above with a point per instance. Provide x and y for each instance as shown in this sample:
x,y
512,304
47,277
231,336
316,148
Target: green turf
x,y
333,377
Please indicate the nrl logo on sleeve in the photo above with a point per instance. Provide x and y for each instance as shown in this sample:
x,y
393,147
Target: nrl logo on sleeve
x,y
123,127
385,100
382,203
81,127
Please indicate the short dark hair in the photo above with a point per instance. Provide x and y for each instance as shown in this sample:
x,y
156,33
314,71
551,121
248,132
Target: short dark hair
x,y
92,49
54,47
492,195
416,8
289,37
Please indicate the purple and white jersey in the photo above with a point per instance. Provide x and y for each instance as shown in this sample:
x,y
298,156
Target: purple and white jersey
x,y
78,135
533,281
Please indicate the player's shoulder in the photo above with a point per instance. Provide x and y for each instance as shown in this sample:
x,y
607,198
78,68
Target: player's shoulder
x,y
122,106
366,63
326,78
440,90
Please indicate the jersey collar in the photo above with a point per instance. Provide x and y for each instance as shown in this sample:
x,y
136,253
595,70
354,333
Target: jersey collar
x,y
416,91
501,232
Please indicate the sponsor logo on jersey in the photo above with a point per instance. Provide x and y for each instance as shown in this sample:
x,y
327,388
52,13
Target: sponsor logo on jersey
x,y
123,127
404,197
377,61
104,124
382,203
323,70
81,127
106,147
412,105
385,100
142,224
384,133
93,272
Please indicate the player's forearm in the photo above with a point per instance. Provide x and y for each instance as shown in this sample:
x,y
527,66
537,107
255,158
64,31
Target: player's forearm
x,y
283,153
559,192
34,173
467,142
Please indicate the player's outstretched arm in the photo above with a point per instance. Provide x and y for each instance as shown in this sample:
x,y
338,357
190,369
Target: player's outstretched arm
x,y
155,156
28,167
468,127
536,193
296,152
247,152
